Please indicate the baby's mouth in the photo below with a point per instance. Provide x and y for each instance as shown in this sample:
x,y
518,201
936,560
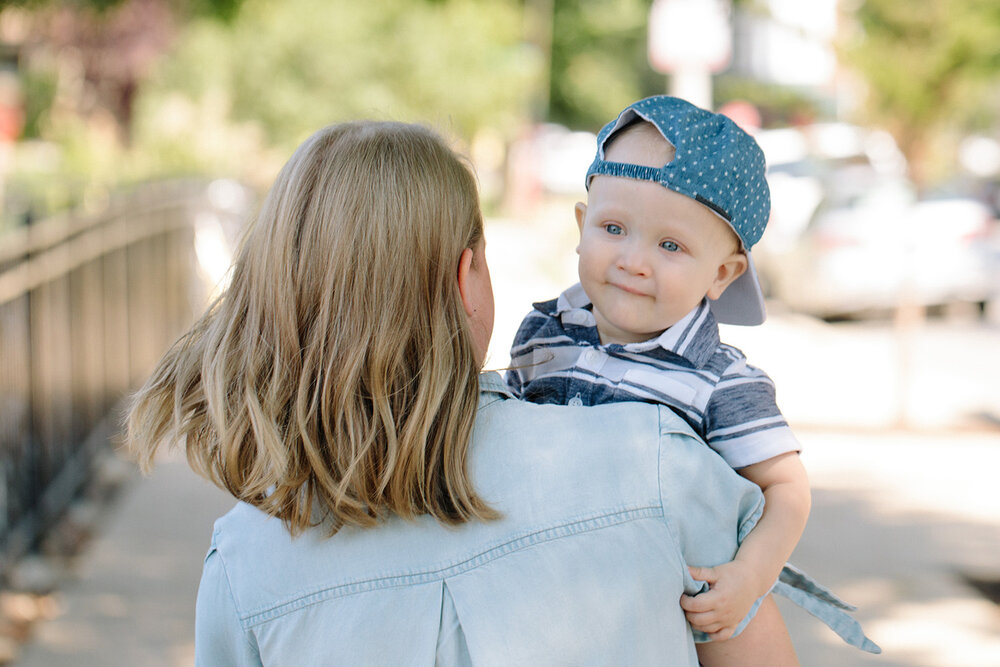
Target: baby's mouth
x,y
628,289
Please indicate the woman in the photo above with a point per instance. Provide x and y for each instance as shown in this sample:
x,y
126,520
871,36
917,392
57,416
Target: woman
x,y
397,507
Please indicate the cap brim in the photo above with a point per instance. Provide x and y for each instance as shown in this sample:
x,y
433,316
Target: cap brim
x,y
743,301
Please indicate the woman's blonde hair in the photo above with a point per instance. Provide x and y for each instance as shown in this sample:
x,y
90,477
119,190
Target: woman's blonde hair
x,y
336,378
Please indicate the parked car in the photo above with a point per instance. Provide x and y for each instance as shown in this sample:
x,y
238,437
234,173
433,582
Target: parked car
x,y
850,236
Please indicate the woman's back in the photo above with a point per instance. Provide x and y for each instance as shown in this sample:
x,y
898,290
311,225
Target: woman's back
x,y
585,567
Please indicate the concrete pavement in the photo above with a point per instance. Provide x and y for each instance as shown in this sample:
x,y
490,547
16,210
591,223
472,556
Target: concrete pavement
x,y
899,522
131,599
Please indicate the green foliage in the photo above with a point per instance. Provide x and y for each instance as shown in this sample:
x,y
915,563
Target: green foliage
x,y
281,70
97,5
39,87
221,9
931,68
599,61
224,10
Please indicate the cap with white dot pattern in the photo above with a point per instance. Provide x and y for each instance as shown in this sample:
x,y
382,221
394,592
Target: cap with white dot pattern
x,y
716,162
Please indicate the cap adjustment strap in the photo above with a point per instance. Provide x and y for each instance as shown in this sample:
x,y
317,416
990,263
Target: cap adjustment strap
x,y
624,170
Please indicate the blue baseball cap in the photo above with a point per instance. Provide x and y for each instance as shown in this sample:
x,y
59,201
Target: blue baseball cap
x,y
715,163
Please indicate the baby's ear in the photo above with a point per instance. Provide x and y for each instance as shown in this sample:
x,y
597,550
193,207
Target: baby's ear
x,y
581,215
731,268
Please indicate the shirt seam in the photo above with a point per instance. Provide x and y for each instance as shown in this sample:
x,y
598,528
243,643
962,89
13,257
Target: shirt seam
x,y
229,587
668,517
430,575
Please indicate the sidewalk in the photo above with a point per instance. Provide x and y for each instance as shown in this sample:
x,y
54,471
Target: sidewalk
x,y
899,521
131,602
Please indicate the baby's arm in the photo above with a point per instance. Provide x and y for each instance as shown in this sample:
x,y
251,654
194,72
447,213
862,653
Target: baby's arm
x,y
737,584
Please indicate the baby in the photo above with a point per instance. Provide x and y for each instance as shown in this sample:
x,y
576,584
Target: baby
x,y
676,198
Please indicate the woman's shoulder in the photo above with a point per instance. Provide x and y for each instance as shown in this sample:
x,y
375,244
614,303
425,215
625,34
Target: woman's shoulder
x,y
244,521
516,442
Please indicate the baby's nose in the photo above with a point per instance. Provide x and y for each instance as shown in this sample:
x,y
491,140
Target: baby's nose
x,y
634,259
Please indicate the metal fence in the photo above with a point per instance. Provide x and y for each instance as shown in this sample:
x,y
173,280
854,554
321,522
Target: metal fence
x,y
88,303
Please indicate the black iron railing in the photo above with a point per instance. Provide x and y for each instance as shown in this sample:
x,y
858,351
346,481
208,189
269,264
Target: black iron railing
x,y
88,303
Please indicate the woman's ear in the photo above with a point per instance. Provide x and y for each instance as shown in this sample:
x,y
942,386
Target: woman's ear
x,y
731,268
464,284
476,290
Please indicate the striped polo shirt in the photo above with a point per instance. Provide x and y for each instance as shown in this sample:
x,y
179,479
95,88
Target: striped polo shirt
x,y
558,357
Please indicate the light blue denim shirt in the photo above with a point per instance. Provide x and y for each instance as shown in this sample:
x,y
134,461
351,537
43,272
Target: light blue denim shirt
x,y
586,567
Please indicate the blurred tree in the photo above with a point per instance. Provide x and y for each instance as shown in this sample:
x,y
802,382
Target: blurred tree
x,y
280,71
778,105
599,61
94,54
100,54
930,70
223,9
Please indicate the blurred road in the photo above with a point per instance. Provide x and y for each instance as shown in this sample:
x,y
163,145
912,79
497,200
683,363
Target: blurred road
x,y
902,516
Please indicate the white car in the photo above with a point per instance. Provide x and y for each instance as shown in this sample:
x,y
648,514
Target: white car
x,y
849,235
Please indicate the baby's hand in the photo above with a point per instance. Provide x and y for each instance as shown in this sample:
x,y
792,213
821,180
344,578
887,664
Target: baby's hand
x,y
717,611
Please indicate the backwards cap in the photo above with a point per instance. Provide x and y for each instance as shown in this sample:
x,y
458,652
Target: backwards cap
x,y
715,163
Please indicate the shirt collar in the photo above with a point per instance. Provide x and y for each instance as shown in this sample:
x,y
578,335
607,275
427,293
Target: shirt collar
x,y
571,299
694,337
490,382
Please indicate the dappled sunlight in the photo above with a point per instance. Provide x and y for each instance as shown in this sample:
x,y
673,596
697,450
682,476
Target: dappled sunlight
x,y
950,632
903,565
67,638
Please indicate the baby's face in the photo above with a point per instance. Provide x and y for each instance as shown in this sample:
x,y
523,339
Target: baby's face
x,y
648,255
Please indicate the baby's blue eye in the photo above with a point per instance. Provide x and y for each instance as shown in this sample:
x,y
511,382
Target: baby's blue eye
x,y
670,246
612,228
